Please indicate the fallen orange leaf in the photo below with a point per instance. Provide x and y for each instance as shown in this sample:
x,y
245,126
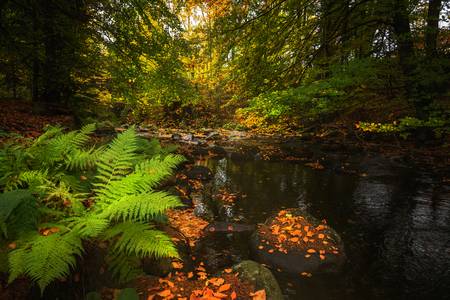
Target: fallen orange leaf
x,y
224,288
296,232
217,281
259,295
233,295
165,293
177,265
220,295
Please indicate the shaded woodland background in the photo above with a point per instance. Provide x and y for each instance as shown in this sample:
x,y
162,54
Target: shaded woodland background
x,y
255,64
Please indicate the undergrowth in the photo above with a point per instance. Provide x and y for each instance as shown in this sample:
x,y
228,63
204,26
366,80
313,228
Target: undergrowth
x,y
60,190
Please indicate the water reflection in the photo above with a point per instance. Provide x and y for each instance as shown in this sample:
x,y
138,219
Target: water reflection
x,y
372,203
395,223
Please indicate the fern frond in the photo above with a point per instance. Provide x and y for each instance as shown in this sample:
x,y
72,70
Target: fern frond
x,y
13,161
36,180
18,212
88,226
60,145
148,148
78,159
45,258
138,239
145,177
50,133
141,207
124,267
77,185
160,167
73,139
16,260
118,159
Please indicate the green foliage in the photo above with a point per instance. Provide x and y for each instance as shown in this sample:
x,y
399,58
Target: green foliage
x,y
128,294
47,214
318,98
137,239
45,258
18,212
405,126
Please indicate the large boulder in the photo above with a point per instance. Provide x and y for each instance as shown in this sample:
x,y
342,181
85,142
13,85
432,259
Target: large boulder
x,y
260,277
298,243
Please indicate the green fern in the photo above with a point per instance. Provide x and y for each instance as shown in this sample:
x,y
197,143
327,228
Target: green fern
x,y
118,160
124,267
78,159
139,240
56,146
88,226
123,203
145,177
13,160
142,207
45,258
15,205
35,180
49,133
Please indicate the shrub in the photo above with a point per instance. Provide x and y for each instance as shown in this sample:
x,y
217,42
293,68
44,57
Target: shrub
x,y
319,98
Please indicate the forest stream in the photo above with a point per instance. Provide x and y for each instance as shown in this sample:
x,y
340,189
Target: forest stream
x,y
394,221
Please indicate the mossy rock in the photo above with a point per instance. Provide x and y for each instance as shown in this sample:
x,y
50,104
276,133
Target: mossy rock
x,y
260,277
283,243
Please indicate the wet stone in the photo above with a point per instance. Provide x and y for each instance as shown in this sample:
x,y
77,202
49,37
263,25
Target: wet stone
x,y
176,137
201,209
261,277
218,151
295,242
200,173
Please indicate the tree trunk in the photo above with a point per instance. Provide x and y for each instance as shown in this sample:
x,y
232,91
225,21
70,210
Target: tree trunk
x,y
35,58
408,57
51,70
327,35
432,28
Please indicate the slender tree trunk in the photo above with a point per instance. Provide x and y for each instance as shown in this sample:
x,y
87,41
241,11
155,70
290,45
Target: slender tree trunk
x,y
432,28
51,70
404,39
327,40
35,59
35,79
408,58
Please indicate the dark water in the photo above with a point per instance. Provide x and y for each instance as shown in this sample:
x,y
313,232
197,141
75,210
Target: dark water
x,y
394,221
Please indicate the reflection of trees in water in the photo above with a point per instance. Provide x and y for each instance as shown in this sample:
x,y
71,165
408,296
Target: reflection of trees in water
x,y
268,185
416,241
372,203
220,174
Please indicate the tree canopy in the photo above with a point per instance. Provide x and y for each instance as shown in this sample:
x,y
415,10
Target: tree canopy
x,y
259,56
